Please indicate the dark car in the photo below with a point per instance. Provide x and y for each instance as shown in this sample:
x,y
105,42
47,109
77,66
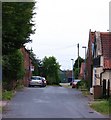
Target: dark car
x,y
37,81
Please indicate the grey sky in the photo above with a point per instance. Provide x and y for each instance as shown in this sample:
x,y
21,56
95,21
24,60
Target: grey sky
x,y
62,24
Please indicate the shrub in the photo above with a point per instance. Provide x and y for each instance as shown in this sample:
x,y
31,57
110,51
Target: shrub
x,y
7,95
13,69
82,84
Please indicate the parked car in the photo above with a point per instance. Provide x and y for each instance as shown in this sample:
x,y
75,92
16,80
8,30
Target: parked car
x,y
37,81
71,82
44,81
74,83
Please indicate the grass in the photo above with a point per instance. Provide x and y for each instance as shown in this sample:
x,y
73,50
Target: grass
x,y
0,109
85,92
0,91
19,87
101,106
7,95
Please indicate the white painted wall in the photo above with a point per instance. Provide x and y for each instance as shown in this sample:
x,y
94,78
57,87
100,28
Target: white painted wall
x,y
96,75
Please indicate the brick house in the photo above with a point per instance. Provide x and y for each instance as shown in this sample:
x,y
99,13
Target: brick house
x,y
102,59
69,75
89,59
27,65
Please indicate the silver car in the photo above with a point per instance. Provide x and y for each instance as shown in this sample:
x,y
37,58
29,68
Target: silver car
x,y
36,81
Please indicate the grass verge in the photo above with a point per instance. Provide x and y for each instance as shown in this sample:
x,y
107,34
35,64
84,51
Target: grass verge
x,y
0,109
85,92
102,106
7,95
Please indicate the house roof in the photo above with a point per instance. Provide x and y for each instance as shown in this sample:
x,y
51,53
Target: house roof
x,y
106,48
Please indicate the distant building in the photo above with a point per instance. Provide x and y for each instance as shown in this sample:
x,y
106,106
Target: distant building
x,y
69,75
62,74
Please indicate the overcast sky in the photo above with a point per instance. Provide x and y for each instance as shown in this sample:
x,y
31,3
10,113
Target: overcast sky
x,y
62,24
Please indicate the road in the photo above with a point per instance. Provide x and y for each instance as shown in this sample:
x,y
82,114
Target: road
x,y
49,102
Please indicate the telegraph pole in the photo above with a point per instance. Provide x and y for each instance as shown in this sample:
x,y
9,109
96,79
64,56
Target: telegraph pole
x,y
78,58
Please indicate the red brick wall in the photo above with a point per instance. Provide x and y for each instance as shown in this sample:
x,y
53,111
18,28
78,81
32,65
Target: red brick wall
x,y
89,61
27,64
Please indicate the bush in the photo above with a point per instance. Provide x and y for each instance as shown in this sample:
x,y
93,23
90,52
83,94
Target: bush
x,y
13,69
7,95
82,84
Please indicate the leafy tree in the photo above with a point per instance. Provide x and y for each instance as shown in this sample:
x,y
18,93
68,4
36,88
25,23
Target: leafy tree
x,y
37,64
51,70
13,68
76,70
76,62
16,29
16,25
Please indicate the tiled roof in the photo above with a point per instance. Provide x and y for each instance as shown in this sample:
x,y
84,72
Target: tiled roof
x,y
106,49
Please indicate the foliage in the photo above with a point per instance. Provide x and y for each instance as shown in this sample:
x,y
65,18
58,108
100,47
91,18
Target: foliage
x,y
14,64
17,25
76,73
76,69
102,106
76,62
13,68
36,62
83,85
7,95
51,70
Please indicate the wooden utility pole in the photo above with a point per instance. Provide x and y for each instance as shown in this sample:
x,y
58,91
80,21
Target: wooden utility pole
x,y
78,54
78,58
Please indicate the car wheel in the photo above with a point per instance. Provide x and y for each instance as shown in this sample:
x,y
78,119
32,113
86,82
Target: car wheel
x,y
29,85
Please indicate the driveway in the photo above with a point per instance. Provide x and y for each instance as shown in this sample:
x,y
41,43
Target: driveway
x,y
49,102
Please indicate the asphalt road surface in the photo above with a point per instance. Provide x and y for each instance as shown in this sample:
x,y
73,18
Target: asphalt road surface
x,y
49,102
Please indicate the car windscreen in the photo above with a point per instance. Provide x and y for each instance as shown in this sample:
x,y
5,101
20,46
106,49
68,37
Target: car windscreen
x,y
35,78
43,78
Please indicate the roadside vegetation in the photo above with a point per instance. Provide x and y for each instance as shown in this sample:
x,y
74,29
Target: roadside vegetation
x,y
76,69
102,106
50,70
15,33
7,95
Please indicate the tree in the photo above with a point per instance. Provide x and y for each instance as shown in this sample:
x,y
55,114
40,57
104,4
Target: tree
x,y
51,70
16,29
16,25
36,62
76,69
13,68
76,62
